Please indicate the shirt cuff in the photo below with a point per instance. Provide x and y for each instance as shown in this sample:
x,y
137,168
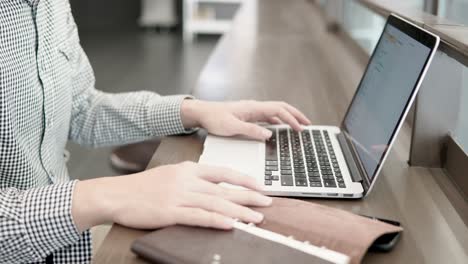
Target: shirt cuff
x,y
167,119
48,219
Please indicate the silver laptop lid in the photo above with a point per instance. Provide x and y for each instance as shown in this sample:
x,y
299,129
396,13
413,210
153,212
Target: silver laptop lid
x,y
386,92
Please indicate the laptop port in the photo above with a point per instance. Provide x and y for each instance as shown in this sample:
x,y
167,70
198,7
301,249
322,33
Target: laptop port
x,y
332,194
311,194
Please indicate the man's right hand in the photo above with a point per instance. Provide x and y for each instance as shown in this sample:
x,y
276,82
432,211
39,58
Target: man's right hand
x,y
185,193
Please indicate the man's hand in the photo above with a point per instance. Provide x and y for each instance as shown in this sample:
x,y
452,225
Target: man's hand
x,y
185,193
235,118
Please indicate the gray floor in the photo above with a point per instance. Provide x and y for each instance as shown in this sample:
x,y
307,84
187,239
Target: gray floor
x,y
134,61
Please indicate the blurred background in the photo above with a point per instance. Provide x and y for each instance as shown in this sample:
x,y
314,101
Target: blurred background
x,y
364,26
139,45
162,45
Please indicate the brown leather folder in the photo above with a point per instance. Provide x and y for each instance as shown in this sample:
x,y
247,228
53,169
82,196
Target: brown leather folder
x,y
322,226
187,245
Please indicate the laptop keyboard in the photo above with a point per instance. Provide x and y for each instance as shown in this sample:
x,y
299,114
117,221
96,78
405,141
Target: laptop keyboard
x,y
304,159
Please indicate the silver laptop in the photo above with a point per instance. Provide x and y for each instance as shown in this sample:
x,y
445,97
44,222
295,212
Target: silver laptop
x,y
339,162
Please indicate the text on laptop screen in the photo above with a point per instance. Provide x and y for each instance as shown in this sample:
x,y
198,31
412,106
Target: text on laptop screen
x,y
384,92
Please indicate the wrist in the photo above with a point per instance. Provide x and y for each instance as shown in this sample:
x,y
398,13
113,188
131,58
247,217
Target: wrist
x,y
189,113
92,203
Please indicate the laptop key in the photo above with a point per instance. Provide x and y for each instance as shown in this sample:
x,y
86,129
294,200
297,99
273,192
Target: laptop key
x,y
315,184
286,172
271,153
267,172
275,177
271,157
301,182
315,179
314,174
300,175
329,183
287,181
341,185
271,168
271,163
268,182
267,177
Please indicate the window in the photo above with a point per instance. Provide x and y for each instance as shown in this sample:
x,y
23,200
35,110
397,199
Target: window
x,y
461,132
363,25
455,10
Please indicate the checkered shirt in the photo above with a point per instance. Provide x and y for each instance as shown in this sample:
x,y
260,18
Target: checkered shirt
x,y
47,96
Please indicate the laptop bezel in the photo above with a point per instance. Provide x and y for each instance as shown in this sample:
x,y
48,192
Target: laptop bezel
x,y
424,37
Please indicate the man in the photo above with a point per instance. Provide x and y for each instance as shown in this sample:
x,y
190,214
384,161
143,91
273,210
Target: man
x,y
47,96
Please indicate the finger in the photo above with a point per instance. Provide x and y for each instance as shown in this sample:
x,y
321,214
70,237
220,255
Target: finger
x,y
297,114
266,111
276,109
242,197
216,174
289,119
199,217
251,130
274,120
221,206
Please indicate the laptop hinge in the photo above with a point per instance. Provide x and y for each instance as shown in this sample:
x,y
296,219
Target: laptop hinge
x,y
356,175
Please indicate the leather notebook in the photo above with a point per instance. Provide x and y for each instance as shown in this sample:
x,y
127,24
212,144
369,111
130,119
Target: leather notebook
x,y
293,231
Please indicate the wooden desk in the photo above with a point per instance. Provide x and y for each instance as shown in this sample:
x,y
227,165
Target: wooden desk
x,y
280,50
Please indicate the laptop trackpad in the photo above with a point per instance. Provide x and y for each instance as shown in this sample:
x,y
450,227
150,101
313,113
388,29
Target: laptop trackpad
x,y
239,154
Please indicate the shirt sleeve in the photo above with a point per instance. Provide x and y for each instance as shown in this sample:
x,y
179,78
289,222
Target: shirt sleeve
x,y
103,119
36,222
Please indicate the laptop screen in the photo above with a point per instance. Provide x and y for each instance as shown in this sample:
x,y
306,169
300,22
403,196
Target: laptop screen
x,y
383,95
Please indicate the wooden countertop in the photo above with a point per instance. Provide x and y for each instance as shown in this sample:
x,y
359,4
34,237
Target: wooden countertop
x,y
281,50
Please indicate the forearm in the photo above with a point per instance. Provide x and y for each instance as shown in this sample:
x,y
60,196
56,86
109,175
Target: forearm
x,y
103,119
